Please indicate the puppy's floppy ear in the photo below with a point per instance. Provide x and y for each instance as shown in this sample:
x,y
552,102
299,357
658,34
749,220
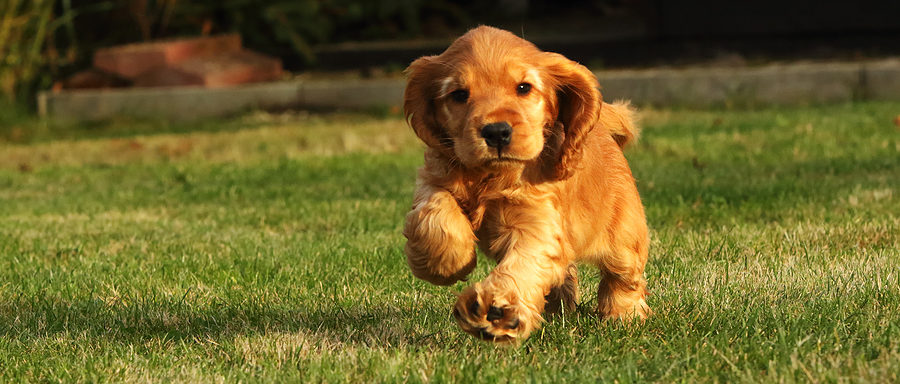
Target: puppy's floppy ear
x,y
418,102
577,108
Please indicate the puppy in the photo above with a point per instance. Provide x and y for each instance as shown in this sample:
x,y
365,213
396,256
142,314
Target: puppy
x,y
524,159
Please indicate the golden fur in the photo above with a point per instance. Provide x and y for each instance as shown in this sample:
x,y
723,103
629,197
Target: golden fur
x,y
561,192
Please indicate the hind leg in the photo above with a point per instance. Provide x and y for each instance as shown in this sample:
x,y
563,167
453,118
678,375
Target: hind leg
x,y
623,299
564,297
623,290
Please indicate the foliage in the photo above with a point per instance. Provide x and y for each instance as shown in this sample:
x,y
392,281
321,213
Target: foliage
x,y
287,28
38,44
28,50
270,250
44,40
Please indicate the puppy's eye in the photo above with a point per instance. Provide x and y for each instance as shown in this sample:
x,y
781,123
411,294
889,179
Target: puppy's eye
x,y
523,88
460,95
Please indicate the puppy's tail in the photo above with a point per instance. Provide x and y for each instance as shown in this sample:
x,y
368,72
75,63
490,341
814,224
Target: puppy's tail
x,y
620,118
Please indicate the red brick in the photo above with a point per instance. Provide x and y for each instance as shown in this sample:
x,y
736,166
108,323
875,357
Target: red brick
x,y
167,77
92,79
130,61
216,71
235,68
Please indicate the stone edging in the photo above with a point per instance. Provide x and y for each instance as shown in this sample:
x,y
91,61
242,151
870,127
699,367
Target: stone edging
x,y
781,84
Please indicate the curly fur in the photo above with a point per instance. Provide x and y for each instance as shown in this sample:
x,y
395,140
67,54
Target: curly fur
x,y
560,193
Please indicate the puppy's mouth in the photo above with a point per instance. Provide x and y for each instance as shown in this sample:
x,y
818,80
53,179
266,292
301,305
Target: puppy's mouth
x,y
503,160
502,157
485,335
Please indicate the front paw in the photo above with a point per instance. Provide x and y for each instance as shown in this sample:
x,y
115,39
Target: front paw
x,y
490,315
440,245
445,269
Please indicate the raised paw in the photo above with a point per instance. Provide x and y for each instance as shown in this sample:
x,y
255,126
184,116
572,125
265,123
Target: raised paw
x,y
500,318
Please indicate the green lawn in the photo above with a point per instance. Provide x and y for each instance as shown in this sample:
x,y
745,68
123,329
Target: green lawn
x,y
269,248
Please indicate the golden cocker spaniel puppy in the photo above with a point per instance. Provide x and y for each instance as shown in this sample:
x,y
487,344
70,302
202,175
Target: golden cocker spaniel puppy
x,y
524,159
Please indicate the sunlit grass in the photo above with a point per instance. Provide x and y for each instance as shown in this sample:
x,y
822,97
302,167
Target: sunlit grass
x,y
268,248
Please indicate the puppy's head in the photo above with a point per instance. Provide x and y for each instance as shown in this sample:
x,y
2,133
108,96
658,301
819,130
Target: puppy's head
x,y
493,100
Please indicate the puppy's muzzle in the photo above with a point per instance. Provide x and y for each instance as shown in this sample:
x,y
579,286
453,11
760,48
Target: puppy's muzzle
x,y
497,135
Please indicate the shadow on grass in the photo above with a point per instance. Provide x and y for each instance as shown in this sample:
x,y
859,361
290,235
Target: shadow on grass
x,y
368,326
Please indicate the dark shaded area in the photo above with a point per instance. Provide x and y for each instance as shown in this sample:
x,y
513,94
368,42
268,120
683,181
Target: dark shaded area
x,y
381,37
344,34
636,33
699,18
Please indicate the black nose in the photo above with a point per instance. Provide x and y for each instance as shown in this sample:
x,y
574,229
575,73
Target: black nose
x,y
497,135
494,313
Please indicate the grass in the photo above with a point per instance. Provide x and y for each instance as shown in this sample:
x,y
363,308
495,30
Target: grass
x,y
268,248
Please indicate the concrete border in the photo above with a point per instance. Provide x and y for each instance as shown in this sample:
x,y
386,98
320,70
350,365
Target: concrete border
x,y
778,84
770,85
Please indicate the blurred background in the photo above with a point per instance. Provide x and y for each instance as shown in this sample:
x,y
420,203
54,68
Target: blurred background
x,y
45,44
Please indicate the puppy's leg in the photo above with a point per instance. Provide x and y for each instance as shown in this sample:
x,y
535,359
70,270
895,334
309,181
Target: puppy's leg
x,y
440,245
507,305
623,289
565,296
